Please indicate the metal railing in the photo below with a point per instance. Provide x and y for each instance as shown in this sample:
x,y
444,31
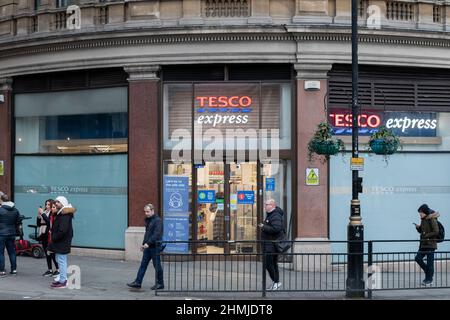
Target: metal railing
x,y
301,269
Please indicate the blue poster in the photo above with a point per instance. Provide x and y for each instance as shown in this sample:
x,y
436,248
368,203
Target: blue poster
x,y
176,213
206,196
270,184
245,197
176,228
176,194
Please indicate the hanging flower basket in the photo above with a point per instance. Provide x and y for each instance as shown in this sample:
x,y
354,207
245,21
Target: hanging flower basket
x,y
327,147
323,143
384,142
383,147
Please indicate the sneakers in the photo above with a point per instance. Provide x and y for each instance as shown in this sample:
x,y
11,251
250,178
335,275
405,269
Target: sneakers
x,y
276,286
427,283
59,285
134,284
55,274
47,273
157,287
2,274
13,272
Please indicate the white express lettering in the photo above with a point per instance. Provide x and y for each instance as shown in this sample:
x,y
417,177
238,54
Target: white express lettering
x,y
219,119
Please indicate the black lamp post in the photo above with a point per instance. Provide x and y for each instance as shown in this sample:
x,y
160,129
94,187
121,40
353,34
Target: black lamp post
x,y
355,231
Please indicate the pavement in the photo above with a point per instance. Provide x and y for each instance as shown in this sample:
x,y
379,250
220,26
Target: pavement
x,y
104,279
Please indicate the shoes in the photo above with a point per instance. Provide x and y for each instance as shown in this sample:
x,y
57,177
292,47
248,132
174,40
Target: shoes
x,y
54,283
55,274
427,283
271,286
59,285
134,284
276,286
13,272
2,274
47,273
157,287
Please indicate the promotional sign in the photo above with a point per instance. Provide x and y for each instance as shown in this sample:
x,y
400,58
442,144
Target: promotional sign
x,y
245,197
176,194
270,184
176,213
405,124
2,168
206,196
357,164
233,201
312,176
176,228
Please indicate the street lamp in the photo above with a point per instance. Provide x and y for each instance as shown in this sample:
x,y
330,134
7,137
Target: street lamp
x,y
355,230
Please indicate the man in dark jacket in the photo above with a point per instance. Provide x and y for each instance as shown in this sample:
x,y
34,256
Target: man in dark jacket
x,y
428,230
9,221
272,229
62,234
151,247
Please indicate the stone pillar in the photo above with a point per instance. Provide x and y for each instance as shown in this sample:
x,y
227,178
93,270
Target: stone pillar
x,y
6,119
116,12
192,13
343,12
260,12
143,152
312,201
312,11
447,16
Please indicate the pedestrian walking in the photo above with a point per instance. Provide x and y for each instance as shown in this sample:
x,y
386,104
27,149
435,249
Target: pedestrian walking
x,y
61,238
151,247
9,223
44,221
428,230
271,230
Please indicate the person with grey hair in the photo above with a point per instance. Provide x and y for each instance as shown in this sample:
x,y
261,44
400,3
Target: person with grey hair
x,y
151,248
9,222
271,230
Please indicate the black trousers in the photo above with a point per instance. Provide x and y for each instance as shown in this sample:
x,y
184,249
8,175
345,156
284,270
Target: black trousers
x,y
272,266
49,257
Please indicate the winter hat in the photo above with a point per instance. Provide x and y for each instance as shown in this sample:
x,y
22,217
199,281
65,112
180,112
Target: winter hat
x,y
425,209
63,201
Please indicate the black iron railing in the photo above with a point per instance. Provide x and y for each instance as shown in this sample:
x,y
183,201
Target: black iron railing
x,y
301,269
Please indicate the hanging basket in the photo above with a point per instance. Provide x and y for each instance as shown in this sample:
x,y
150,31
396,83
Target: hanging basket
x,y
326,147
382,147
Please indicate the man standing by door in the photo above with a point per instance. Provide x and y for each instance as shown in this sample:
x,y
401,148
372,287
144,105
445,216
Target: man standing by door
x,y
272,229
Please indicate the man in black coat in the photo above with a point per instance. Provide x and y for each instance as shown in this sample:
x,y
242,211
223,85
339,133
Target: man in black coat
x,y
9,221
151,247
272,229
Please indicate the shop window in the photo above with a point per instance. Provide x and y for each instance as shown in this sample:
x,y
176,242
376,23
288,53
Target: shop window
x,y
79,121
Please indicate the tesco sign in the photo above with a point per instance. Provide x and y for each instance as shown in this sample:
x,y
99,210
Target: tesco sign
x,y
213,108
412,124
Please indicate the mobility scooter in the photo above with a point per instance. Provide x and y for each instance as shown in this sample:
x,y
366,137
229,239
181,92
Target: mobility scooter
x,y
27,247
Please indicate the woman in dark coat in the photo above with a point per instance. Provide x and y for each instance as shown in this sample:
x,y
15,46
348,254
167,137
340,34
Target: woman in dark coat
x,y
44,222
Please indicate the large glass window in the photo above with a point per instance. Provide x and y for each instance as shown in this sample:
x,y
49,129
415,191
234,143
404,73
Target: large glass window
x,y
79,121
95,185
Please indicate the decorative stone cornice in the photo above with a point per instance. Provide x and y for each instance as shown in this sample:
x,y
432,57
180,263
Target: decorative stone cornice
x,y
39,46
6,84
142,72
312,71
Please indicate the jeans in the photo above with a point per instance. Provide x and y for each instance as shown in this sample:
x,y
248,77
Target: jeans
x,y
272,266
62,262
429,267
151,254
8,242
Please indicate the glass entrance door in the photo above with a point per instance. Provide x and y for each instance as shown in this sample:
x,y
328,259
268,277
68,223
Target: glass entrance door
x,y
226,202
243,206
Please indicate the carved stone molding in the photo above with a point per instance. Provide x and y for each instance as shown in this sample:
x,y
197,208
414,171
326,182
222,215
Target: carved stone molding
x,y
142,72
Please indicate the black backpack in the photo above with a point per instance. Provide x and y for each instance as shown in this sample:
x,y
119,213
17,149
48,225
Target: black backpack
x,y
441,235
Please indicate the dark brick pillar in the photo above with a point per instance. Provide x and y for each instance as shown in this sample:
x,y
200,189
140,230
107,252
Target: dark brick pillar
x,y
6,134
143,142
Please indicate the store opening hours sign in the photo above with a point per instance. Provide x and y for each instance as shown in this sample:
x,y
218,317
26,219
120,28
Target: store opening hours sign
x,y
406,124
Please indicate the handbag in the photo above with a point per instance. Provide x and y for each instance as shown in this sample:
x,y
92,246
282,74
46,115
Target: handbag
x,y
282,245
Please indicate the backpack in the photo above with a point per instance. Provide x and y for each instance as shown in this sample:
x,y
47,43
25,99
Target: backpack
x,y
441,235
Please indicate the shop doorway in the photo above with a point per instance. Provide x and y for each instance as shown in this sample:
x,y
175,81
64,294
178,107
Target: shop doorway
x,y
227,206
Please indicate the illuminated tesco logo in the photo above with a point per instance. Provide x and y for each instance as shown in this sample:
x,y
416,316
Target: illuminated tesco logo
x,y
223,101
340,120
